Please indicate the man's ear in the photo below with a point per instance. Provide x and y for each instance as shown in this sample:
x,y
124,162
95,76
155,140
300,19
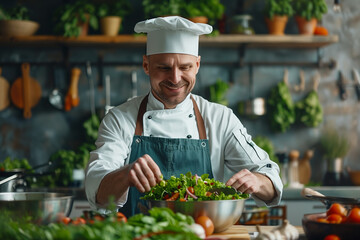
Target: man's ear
x,y
146,64
198,64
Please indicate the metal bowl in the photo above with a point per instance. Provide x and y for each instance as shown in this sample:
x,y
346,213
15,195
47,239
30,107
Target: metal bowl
x,y
42,207
223,213
317,230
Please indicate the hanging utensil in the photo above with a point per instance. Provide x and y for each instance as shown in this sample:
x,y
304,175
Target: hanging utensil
x,y
357,82
72,97
25,92
107,94
4,92
56,98
91,84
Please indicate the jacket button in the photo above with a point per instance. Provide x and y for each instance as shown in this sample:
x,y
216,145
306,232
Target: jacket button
x,y
188,136
149,117
190,115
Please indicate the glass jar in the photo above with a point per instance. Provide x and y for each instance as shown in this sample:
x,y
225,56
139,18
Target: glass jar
x,y
240,24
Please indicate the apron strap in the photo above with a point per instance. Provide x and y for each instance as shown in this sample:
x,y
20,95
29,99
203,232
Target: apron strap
x,y
199,120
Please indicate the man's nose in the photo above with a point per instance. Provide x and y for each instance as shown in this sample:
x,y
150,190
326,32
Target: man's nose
x,y
175,75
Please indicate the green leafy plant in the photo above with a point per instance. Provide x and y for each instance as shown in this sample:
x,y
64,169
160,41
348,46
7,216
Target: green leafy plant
x,y
334,144
218,92
280,108
69,16
159,8
118,8
278,7
212,9
19,12
310,8
265,144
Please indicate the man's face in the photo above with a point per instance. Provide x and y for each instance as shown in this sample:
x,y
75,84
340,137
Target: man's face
x,y
172,76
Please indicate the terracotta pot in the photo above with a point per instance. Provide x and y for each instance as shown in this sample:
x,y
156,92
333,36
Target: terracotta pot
x,y
110,25
84,26
306,27
277,24
199,19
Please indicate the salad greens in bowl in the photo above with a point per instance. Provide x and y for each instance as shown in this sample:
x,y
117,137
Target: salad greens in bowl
x,y
192,195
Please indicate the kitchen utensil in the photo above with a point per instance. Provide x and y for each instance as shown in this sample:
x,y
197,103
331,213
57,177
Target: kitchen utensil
x,y
357,82
305,167
107,94
254,107
91,84
42,207
315,230
342,86
15,179
4,92
72,96
223,213
56,98
25,92
328,200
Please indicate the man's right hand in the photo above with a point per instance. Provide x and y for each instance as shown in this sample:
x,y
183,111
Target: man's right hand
x,y
144,173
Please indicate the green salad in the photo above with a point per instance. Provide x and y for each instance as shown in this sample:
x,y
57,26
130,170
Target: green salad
x,y
190,187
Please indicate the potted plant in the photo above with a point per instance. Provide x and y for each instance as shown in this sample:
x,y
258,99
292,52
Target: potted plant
x,y
307,14
161,8
111,16
15,22
335,147
277,13
74,19
202,10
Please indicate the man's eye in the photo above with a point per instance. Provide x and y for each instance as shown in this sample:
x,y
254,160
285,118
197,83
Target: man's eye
x,y
164,68
185,68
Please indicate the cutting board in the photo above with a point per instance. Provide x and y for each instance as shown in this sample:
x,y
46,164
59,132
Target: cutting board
x,y
235,232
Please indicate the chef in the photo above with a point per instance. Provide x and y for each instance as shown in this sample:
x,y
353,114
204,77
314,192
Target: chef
x,y
170,131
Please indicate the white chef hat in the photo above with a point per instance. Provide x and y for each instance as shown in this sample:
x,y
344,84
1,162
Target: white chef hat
x,y
172,34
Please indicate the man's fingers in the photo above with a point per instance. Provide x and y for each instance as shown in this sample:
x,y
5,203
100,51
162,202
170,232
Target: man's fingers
x,y
134,181
154,175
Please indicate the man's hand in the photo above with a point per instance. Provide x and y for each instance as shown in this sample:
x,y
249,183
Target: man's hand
x,y
144,173
253,183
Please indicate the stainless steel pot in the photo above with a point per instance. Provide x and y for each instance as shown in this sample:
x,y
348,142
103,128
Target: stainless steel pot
x,y
42,207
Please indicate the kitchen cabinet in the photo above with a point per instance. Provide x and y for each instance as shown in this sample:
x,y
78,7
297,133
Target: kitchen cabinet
x,y
297,208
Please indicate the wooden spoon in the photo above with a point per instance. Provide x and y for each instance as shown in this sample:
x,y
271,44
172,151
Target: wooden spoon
x,y
72,97
4,92
25,92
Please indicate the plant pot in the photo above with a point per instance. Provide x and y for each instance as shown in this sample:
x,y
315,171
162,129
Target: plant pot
x,y
199,19
16,28
110,25
84,26
277,24
306,27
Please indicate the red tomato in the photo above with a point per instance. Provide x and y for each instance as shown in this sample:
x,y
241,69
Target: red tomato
x,y
121,217
337,208
334,218
322,220
79,221
66,220
173,197
354,215
191,190
208,194
332,237
206,223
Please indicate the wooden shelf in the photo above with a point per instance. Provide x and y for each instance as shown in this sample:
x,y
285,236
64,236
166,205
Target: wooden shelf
x,y
225,40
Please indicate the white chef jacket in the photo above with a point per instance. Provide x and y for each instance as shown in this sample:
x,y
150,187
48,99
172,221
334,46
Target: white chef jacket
x,y
231,148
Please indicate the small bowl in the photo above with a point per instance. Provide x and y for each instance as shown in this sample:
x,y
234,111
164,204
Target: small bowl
x,y
223,213
317,230
18,28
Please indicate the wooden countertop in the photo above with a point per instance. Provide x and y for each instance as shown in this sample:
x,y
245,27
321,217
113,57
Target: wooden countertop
x,y
241,232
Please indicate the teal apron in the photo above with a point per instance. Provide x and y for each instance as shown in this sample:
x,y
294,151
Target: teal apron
x,y
173,156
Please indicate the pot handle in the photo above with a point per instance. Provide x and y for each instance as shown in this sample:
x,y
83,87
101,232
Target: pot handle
x,y
309,191
9,178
